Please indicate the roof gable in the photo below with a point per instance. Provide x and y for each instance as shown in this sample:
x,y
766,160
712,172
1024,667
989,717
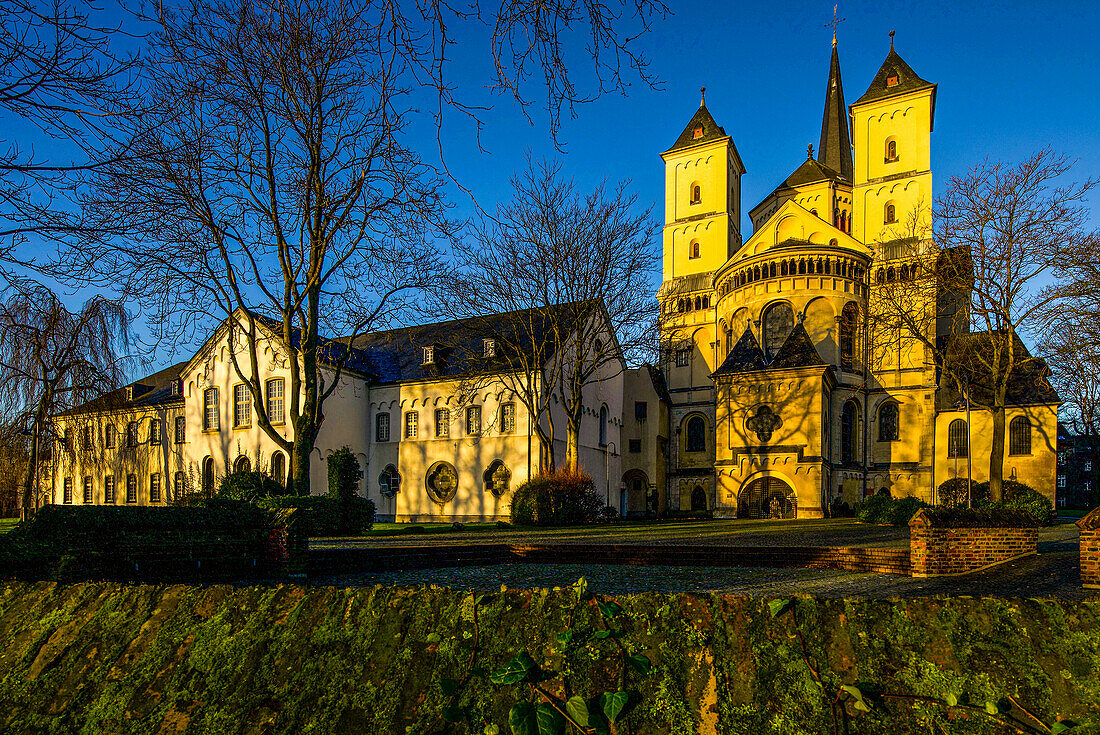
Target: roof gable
x,y
746,356
793,225
701,128
894,78
797,350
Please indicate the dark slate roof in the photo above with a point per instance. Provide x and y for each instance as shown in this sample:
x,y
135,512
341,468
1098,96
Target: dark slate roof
x,y
396,355
153,390
1028,384
332,352
809,172
834,150
659,384
711,130
908,81
797,350
745,356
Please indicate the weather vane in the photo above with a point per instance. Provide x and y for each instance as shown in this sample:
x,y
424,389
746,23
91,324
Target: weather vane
x,y
835,22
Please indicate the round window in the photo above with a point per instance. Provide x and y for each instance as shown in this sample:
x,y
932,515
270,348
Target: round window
x,y
442,482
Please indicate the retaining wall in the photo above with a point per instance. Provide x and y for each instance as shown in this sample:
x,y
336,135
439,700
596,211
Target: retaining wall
x,y
937,552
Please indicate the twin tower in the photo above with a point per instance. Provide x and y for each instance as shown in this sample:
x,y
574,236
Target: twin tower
x,y
741,308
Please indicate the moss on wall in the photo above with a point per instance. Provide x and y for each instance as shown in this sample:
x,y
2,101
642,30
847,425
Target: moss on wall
x,y
107,658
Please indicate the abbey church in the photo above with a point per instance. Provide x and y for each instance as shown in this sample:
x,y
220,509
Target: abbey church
x,y
780,406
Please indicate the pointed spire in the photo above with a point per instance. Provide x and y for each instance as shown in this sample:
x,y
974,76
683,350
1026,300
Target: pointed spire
x,y
835,147
891,40
894,77
703,92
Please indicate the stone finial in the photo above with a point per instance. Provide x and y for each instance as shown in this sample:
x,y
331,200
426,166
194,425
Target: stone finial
x,y
891,40
1090,522
703,92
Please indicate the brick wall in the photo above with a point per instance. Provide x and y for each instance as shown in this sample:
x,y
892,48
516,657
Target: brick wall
x,y
1090,549
939,551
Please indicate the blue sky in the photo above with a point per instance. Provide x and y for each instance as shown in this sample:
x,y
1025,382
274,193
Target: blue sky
x,y
1012,78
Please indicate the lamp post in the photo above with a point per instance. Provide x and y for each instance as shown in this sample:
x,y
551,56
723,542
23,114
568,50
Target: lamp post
x,y
607,454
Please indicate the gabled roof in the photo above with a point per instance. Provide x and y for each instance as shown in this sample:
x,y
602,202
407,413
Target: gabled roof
x,y
810,172
797,350
745,356
1028,385
834,150
150,391
711,130
894,65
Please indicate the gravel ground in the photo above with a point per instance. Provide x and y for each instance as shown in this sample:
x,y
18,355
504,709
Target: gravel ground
x,y
1051,573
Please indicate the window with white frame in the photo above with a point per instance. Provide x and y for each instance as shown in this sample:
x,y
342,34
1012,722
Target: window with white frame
x,y
132,434
442,422
179,485
411,420
67,491
86,438
489,348
242,406
427,355
87,491
154,487
109,489
210,409
382,427
683,357
181,429
131,488
508,418
276,401
110,436
473,420
154,431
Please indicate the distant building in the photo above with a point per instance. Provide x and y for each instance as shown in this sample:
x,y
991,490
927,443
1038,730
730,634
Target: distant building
x,y
1078,479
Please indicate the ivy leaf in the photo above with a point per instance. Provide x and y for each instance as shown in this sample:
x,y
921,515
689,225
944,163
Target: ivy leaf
x,y
491,730
991,708
608,609
433,637
951,699
640,663
613,704
1062,727
581,586
452,714
515,670
778,607
862,706
578,710
549,721
448,686
860,702
565,637
527,719
599,635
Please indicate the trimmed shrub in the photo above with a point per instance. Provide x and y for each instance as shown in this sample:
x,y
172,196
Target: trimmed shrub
x,y
558,499
1018,496
952,493
323,516
354,514
963,517
885,509
248,486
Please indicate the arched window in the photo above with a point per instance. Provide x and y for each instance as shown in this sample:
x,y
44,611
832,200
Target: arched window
x,y
891,150
890,214
880,276
802,267
1019,436
242,464
836,216
848,318
497,478
783,268
756,273
696,194
603,426
698,498
210,409
389,482
888,422
958,444
890,274
828,264
696,435
814,213
848,418
694,249
771,270
698,303
843,221
278,468
777,322
208,476
706,302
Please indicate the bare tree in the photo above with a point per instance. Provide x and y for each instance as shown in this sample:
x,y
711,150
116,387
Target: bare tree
x,y
998,233
52,359
571,274
59,77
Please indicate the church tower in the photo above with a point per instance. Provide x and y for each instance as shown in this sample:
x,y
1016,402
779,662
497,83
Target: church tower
x,y
892,136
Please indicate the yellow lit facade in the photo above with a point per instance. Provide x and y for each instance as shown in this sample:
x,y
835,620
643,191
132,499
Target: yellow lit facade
x,y
783,399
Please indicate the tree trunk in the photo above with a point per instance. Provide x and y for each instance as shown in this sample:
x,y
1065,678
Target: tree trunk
x,y
997,454
299,468
572,439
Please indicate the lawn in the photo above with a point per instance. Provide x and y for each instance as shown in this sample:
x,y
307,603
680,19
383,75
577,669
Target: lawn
x,y
7,524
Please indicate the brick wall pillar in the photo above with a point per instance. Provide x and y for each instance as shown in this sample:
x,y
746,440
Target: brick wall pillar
x,y
1090,549
920,537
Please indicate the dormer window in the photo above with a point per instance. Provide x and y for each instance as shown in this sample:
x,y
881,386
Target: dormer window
x,y
427,355
892,80
697,133
130,392
489,348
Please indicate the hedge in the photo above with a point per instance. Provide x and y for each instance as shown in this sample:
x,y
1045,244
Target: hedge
x,y
559,499
322,515
981,518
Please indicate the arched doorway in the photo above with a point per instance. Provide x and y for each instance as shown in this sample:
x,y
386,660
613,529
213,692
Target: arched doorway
x,y
639,500
767,497
698,498
208,476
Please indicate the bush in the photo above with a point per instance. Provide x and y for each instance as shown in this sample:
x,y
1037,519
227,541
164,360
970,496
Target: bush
x,y
885,509
952,493
1018,496
558,499
354,514
248,486
324,516
988,517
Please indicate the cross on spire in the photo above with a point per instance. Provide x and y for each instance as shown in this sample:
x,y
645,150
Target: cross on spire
x,y
834,23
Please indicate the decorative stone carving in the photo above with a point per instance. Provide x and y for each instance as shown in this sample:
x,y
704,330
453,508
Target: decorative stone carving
x,y
764,422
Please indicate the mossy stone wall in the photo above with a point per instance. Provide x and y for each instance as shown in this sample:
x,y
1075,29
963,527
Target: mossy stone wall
x,y
109,658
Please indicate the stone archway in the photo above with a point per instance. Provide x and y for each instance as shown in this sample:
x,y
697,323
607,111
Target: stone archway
x,y
698,498
639,499
767,497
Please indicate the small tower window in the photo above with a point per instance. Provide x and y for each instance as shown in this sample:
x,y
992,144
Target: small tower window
x,y
698,132
891,151
696,194
890,215
693,250
428,355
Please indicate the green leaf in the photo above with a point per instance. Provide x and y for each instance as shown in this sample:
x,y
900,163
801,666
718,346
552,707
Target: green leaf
x,y
448,686
477,601
550,721
613,704
526,719
515,670
577,708
951,699
433,637
581,586
1062,727
600,634
491,730
855,692
608,609
565,637
640,663
778,607
861,705
991,708
453,714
